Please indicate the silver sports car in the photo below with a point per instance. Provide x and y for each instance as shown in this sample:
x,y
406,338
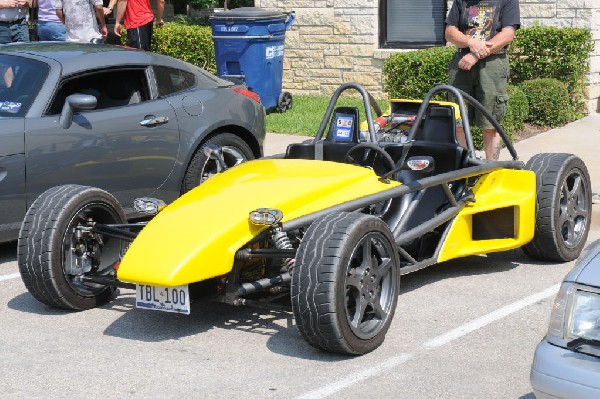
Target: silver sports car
x,y
131,122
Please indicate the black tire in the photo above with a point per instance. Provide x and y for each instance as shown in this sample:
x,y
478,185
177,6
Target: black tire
x,y
285,101
563,207
235,151
46,240
335,285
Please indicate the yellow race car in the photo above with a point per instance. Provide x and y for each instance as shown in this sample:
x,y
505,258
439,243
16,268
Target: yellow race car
x,y
324,230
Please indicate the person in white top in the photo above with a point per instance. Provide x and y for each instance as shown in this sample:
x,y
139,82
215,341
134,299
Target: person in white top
x,y
80,21
13,25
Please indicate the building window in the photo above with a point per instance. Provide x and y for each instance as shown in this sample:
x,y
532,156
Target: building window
x,y
411,23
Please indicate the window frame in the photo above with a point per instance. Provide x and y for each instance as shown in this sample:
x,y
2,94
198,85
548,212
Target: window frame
x,y
157,75
385,44
144,87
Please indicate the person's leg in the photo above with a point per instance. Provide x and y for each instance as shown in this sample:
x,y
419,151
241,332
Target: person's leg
x,y
5,36
492,94
491,144
133,38
145,33
462,80
51,31
20,31
140,37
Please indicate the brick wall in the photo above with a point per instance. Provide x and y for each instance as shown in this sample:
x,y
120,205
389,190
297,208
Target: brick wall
x,y
336,41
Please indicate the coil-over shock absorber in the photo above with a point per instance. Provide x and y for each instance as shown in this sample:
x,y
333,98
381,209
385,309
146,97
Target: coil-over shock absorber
x,y
282,241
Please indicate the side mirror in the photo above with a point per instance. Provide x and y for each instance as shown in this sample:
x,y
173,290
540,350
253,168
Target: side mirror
x,y
420,164
75,102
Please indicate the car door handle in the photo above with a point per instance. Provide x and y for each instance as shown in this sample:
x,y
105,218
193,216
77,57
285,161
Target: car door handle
x,y
152,120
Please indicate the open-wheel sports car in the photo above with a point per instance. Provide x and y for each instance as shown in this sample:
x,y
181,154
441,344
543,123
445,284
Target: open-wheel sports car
x,y
324,230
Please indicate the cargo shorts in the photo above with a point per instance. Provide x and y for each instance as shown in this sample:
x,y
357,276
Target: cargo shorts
x,y
487,82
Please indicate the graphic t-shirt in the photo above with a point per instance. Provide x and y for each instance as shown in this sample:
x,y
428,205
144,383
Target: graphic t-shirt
x,y
80,19
482,19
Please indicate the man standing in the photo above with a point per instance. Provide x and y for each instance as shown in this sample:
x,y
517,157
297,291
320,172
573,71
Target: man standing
x,y
81,19
481,30
138,19
13,26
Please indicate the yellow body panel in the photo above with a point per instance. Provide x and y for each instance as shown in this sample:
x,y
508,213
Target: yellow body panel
x,y
196,237
499,189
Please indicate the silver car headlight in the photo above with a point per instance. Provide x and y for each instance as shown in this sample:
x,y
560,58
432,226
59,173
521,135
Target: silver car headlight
x,y
584,317
575,314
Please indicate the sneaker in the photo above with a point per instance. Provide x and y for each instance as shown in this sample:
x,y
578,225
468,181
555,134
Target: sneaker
x,y
595,198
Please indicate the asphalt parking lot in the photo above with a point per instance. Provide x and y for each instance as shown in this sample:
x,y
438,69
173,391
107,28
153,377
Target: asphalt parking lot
x,y
463,329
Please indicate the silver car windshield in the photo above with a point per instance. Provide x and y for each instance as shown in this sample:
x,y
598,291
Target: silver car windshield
x,y
20,82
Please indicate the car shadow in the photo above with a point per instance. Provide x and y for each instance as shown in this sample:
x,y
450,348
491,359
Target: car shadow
x,y
497,262
151,326
26,303
283,336
8,252
278,325
529,395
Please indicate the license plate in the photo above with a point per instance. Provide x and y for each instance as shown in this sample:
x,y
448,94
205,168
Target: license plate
x,y
165,299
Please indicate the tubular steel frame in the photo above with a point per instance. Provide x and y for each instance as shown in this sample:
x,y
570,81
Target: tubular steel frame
x,y
235,290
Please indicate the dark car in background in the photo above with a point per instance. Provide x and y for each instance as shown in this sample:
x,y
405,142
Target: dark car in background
x,y
128,121
567,361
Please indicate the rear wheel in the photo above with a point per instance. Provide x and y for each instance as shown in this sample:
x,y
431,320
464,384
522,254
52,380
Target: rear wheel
x,y
563,207
53,256
345,283
235,151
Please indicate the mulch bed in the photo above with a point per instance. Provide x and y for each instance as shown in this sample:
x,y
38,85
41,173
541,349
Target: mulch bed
x,y
528,131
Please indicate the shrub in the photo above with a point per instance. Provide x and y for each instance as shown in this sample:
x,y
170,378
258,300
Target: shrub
x,y
516,111
549,103
186,41
551,52
412,74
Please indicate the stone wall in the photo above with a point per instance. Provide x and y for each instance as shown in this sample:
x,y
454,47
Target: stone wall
x,y
331,42
336,41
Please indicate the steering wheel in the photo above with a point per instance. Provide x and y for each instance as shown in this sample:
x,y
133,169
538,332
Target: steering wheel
x,y
370,153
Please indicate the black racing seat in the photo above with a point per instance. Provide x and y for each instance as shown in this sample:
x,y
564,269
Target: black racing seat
x,y
332,151
437,139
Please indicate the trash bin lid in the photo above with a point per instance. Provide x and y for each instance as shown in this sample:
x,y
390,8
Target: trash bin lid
x,y
248,13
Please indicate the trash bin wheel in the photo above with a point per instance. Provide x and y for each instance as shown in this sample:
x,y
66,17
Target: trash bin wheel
x,y
285,101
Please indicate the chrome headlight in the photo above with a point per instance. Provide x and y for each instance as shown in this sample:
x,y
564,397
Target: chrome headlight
x,y
575,314
266,216
584,320
149,206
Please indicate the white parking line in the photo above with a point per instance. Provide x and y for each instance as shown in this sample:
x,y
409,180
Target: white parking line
x,y
436,342
337,386
489,318
9,276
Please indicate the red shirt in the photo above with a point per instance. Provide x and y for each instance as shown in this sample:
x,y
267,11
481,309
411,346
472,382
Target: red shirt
x,y
137,13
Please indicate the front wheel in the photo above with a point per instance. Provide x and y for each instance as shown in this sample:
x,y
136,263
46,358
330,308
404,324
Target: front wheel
x,y
235,151
563,207
53,254
345,283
